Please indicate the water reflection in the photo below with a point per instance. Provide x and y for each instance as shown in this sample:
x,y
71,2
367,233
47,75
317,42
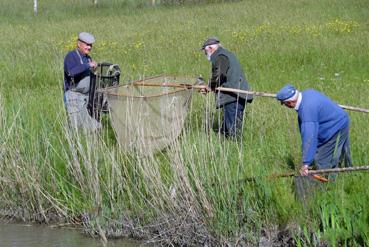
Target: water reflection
x,y
21,235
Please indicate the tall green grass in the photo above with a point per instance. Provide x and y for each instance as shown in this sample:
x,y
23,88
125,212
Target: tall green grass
x,y
195,191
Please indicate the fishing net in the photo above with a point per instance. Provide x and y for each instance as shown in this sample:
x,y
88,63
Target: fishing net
x,y
305,186
148,115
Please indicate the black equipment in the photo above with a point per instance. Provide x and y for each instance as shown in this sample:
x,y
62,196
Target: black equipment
x,y
105,75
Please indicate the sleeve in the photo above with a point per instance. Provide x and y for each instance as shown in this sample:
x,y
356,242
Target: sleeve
x,y
73,65
219,72
309,138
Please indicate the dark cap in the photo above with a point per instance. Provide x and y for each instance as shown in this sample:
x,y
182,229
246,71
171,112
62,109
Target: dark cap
x,y
210,41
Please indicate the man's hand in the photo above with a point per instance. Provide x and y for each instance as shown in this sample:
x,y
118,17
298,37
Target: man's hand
x,y
304,170
205,90
92,64
200,81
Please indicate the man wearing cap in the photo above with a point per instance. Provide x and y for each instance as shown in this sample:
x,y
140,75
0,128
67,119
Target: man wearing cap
x,y
324,128
78,67
227,72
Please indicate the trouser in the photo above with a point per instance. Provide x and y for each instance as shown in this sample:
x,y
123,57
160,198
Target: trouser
x,y
78,116
329,155
232,119
335,151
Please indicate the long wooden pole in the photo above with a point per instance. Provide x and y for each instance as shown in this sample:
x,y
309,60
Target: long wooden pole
x,y
313,173
292,174
344,169
324,171
232,90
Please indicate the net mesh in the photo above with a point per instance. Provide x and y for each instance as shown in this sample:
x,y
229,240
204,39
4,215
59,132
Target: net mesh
x,y
148,115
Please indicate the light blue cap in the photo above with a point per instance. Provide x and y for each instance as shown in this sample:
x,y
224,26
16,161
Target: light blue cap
x,y
287,92
86,37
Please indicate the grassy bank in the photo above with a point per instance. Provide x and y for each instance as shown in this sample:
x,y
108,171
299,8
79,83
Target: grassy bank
x,y
195,191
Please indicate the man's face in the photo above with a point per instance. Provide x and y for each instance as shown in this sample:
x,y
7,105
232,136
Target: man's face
x,y
84,47
208,50
290,104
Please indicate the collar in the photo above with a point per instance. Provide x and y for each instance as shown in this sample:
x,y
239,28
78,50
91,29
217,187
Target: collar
x,y
80,53
298,103
212,56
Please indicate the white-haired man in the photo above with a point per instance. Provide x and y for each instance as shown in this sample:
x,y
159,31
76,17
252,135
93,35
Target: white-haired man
x,y
227,72
324,128
78,66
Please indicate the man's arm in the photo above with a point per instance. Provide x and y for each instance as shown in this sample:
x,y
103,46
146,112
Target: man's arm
x,y
309,138
219,72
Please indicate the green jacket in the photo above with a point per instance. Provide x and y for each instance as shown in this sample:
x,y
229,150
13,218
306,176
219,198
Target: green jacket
x,y
227,72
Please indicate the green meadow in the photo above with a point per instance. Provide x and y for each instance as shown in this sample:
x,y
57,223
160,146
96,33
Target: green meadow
x,y
196,191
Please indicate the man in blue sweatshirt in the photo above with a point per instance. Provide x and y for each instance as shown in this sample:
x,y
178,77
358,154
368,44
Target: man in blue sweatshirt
x,y
324,128
78,66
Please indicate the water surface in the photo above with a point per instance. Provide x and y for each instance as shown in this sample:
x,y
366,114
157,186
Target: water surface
x,y
24,235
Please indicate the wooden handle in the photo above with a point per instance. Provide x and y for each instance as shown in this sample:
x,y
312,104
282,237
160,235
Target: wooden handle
x,y
231,90
271,95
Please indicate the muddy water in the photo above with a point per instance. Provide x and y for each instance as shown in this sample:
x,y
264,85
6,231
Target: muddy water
x,y
21,235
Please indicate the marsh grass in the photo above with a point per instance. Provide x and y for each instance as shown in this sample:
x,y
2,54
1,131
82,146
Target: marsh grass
x,y
196,191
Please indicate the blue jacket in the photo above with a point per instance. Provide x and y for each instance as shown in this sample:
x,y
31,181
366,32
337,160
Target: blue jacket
x,y
319,119
76,67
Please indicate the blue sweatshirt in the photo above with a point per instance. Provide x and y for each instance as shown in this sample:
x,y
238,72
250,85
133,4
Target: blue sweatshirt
x,y
319,119
76,67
